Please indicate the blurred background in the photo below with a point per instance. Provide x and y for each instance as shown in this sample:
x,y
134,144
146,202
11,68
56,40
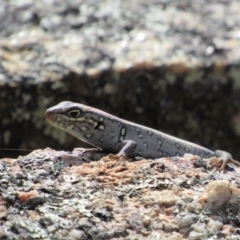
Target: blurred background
x,y
170,65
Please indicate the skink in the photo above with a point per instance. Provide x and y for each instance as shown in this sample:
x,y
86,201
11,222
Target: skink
x,y
118,136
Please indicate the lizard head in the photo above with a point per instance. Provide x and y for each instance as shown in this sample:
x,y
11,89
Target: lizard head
x,y
81,121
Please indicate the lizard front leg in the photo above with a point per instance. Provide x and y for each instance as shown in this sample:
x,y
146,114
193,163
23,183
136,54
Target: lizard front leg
x,y
128,148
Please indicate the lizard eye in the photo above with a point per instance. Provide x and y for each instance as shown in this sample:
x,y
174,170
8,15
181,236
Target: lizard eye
x,y
74,113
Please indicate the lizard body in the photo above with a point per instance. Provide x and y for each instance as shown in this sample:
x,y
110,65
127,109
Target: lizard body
x,y
115,135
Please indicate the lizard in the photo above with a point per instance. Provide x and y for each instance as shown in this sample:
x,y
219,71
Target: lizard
x,y
124,138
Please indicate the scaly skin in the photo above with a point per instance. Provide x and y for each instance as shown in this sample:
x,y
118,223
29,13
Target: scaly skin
x,y
115,135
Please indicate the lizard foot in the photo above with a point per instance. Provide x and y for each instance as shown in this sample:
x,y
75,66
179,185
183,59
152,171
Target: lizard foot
x,y
222,159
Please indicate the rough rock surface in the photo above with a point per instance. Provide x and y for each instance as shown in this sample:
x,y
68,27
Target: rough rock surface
x,y
170,65
65,195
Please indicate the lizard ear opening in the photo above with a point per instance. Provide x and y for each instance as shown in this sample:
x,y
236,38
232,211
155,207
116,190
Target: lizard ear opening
x,y
74,113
